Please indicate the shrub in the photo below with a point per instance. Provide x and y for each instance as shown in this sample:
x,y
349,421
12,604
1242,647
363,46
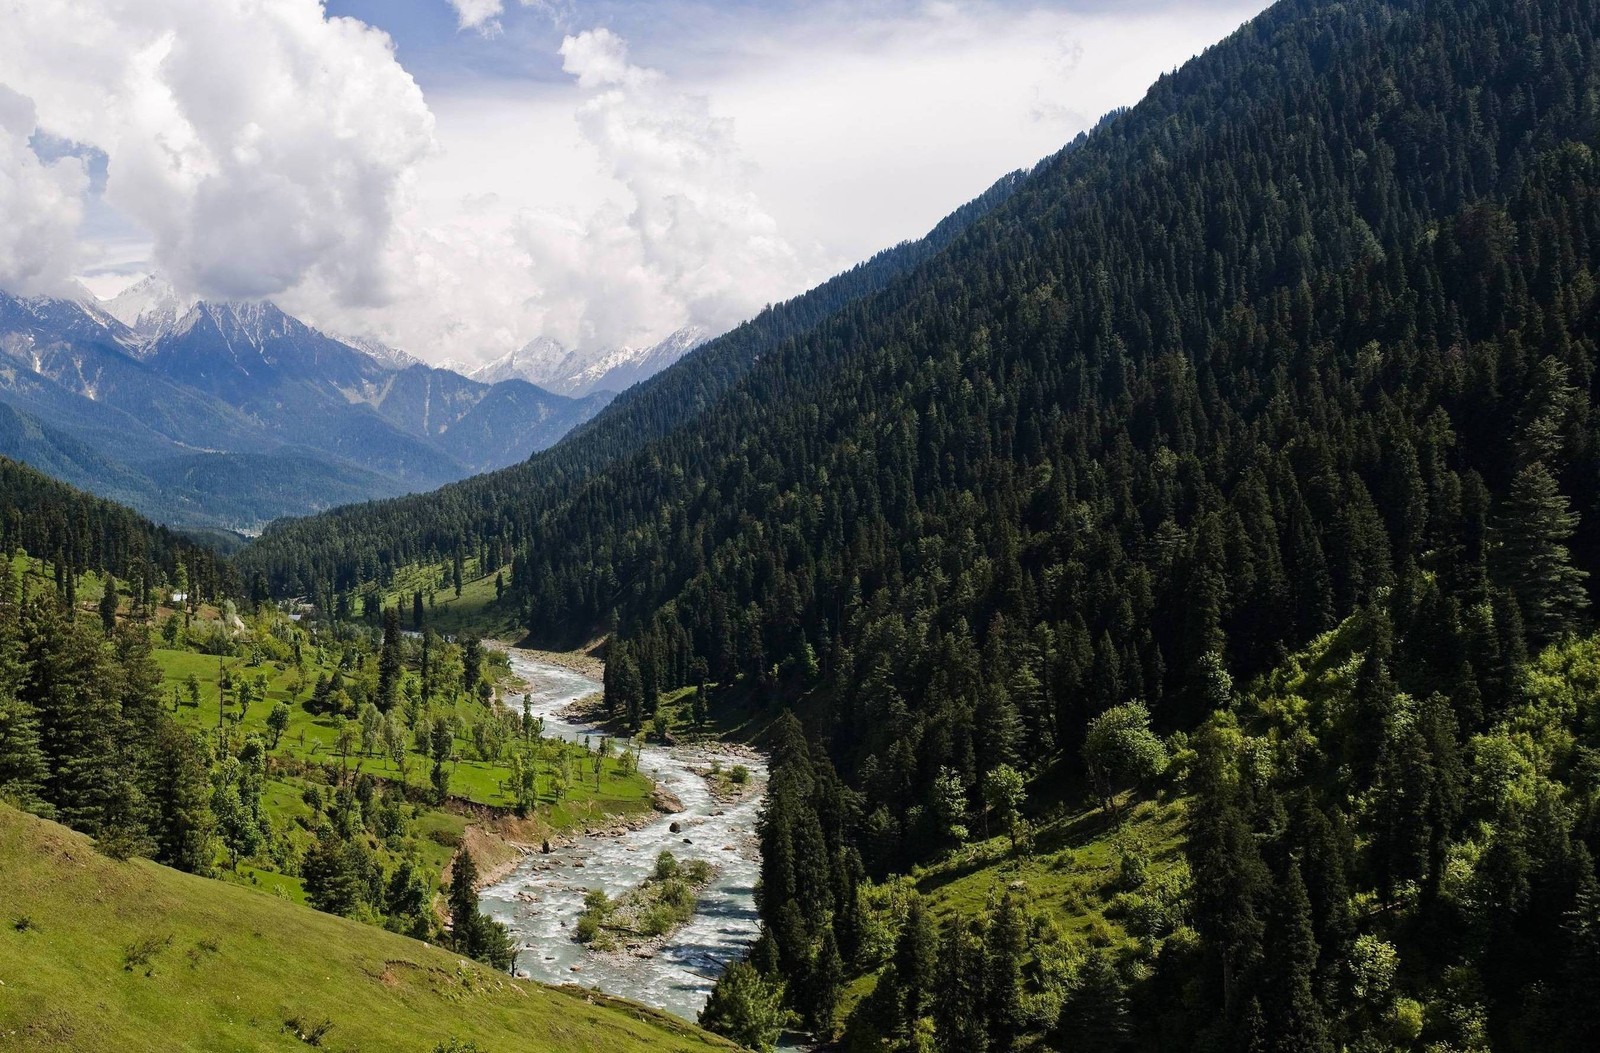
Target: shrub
x,y
141,953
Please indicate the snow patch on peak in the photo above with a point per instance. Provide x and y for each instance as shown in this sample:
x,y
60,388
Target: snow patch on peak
x,y
149,307
545,362
541,361
380,352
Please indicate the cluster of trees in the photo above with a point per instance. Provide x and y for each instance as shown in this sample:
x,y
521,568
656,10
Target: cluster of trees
x,y
86,736
1387,857
89,734
1333,350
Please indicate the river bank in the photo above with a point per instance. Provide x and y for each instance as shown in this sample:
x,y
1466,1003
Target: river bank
x,y
542,897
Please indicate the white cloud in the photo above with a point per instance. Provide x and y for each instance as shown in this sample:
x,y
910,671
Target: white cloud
x,y
482,15
697,238
41,205
261,144
262,148
655,226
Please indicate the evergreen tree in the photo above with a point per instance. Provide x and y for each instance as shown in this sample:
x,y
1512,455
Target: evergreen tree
x,y
916,961
961,1000
472,932
184,828
1095,1014
390,667
746,1008
1531,557
1294,1018
108,606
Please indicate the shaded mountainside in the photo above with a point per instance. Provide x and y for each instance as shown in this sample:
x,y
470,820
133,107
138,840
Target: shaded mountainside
x,y
485,426
171,961
1307,333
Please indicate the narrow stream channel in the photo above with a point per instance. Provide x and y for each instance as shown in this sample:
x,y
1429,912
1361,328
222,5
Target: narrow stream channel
x,y
541,900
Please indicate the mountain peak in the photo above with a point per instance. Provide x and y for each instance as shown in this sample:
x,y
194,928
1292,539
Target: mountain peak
x,y
545,362
149,307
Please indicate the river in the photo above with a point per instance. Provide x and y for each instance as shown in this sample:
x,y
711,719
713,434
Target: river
x,y
541,900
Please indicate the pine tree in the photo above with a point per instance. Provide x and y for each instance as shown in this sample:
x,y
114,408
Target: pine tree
x,y
960,1020
68,687
108,606
183,828
472,932
1095,1014
22,762
1294,1017
1530,555
390,666
1005,946
746,1008
471,663
824,985
916,960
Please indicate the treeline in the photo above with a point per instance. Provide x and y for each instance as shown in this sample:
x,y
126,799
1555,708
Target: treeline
x,y
77,533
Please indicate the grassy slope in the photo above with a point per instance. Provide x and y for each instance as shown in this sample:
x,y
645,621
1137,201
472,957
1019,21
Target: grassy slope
x,y
1074,877
233,965
473,611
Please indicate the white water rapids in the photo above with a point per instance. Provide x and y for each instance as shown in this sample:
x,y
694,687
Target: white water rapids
x,y
542,899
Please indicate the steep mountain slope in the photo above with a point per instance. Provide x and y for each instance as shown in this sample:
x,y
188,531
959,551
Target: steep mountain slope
x,y
170,961
485,426
297,385
82,532
1305,335
541,360
148,307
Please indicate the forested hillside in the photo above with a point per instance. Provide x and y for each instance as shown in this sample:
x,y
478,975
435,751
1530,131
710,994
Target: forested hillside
x,y
1306,335
78,532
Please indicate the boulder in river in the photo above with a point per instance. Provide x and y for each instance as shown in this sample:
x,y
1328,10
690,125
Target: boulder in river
x,y
676,826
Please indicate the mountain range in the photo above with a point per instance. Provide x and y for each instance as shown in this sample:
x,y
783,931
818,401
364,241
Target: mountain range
x,y
550,365
230,414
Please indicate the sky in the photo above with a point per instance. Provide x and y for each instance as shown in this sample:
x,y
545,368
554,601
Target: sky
x,y
457,177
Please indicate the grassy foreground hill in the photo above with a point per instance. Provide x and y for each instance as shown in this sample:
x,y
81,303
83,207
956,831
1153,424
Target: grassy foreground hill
x,y
97,954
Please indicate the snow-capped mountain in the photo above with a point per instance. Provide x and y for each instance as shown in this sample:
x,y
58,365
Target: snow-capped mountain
x,y
204,413
546,363
149,307
371,346
541,361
